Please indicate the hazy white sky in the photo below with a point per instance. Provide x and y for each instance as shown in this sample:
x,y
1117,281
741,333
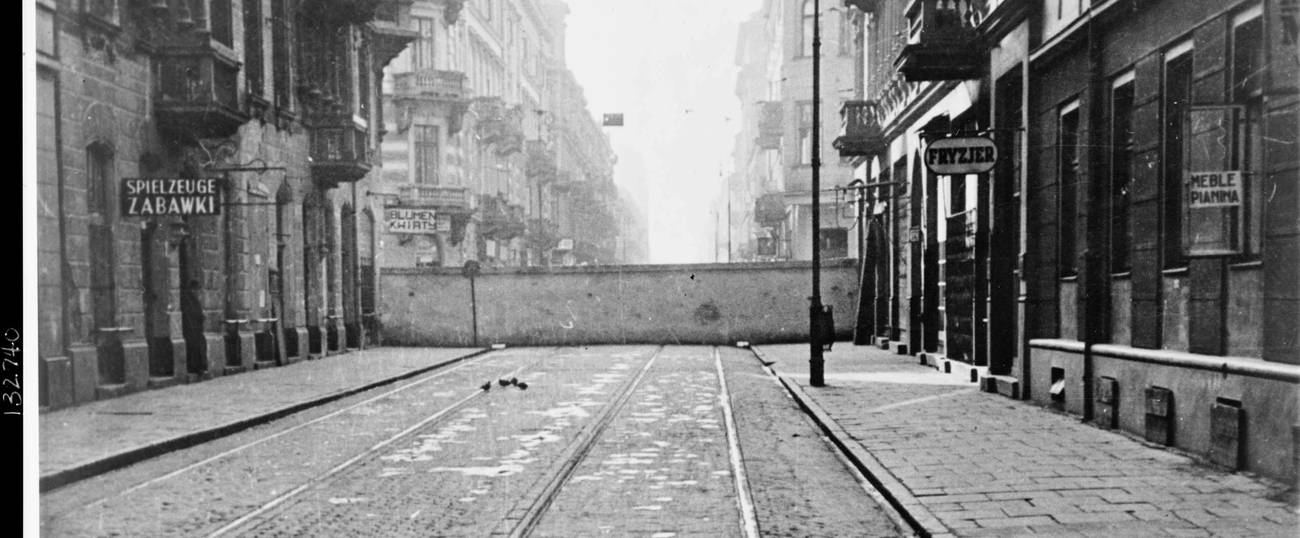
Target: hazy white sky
x,y
669,67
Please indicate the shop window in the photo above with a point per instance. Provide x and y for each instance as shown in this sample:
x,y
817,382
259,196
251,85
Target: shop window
x,y
1068,174
1222,208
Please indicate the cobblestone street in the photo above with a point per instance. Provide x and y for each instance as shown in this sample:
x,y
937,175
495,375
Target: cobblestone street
x,y
602,441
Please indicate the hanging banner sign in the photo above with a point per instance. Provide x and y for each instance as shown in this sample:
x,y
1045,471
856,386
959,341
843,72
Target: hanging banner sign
x,y
157,197
408,220
961,155
1214,189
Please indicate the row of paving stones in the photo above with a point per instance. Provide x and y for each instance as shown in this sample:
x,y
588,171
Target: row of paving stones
x,y
968,463
89,439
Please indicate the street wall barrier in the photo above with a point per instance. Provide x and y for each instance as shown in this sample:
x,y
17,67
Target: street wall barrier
x,y
664,304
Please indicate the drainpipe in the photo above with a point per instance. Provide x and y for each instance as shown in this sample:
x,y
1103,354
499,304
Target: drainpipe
x,y
1094,262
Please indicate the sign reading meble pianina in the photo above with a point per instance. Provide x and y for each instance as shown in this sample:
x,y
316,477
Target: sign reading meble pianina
x,y
961,155
160,197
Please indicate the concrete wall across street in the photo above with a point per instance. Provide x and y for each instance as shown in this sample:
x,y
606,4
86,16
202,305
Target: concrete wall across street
x,y
668,304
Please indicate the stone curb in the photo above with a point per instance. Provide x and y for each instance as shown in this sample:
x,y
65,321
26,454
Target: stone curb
x,y
913,512
122,459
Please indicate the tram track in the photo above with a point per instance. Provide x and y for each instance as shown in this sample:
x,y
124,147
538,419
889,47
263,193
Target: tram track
x,y
544,491
440,372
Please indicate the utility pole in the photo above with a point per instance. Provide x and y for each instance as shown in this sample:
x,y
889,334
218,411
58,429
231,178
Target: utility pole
x,y
816,359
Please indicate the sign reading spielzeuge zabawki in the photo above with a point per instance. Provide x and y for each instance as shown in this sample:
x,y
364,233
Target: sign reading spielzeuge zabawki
x,y
158,197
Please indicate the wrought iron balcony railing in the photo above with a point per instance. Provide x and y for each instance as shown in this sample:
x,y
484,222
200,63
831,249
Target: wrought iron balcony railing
x,y
860,132
942,42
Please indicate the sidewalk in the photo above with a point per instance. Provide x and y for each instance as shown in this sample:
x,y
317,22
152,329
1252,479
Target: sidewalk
x,y
86,440
969,463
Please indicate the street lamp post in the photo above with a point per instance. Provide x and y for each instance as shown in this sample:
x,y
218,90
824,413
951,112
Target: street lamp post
x,y
816,359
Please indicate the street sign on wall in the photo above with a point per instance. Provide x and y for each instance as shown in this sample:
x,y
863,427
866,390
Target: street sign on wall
x,y
961,155
411,220
156,197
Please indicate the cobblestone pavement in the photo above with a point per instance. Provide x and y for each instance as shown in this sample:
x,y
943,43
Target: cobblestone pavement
x,y
194,492
980,464
95,431
438,456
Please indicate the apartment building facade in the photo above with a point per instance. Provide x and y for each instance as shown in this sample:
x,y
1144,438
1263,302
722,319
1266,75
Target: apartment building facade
x,y
490,152
769,193
1130,254
200,171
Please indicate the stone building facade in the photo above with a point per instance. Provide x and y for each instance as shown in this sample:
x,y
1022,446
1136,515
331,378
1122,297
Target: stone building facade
x,y
276,101
1084,270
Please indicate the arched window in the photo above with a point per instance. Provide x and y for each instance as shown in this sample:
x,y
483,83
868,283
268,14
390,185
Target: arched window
x,y
809,16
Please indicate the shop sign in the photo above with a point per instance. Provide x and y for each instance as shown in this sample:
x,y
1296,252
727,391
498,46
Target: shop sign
x,y
1214,189
565,244
157,197
961,155
411,220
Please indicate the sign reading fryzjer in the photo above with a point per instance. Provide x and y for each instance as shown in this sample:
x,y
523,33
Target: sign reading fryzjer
x,y
411,220
961,155
152,197
1213,189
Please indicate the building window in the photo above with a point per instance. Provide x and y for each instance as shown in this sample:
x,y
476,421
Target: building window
x,y
223,29
1177,98
422,52
426,154
1068,162
1121,160
253,62
99,178
280,54
806,30
835,243
105,10
1247,87
805,133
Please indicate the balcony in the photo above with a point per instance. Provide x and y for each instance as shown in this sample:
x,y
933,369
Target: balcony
x,y
430,84
499,125
865,6
540,166
769,209
860,133
342,11
390,35
438,196
942,41
196,92
770,125
499,220
340,153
